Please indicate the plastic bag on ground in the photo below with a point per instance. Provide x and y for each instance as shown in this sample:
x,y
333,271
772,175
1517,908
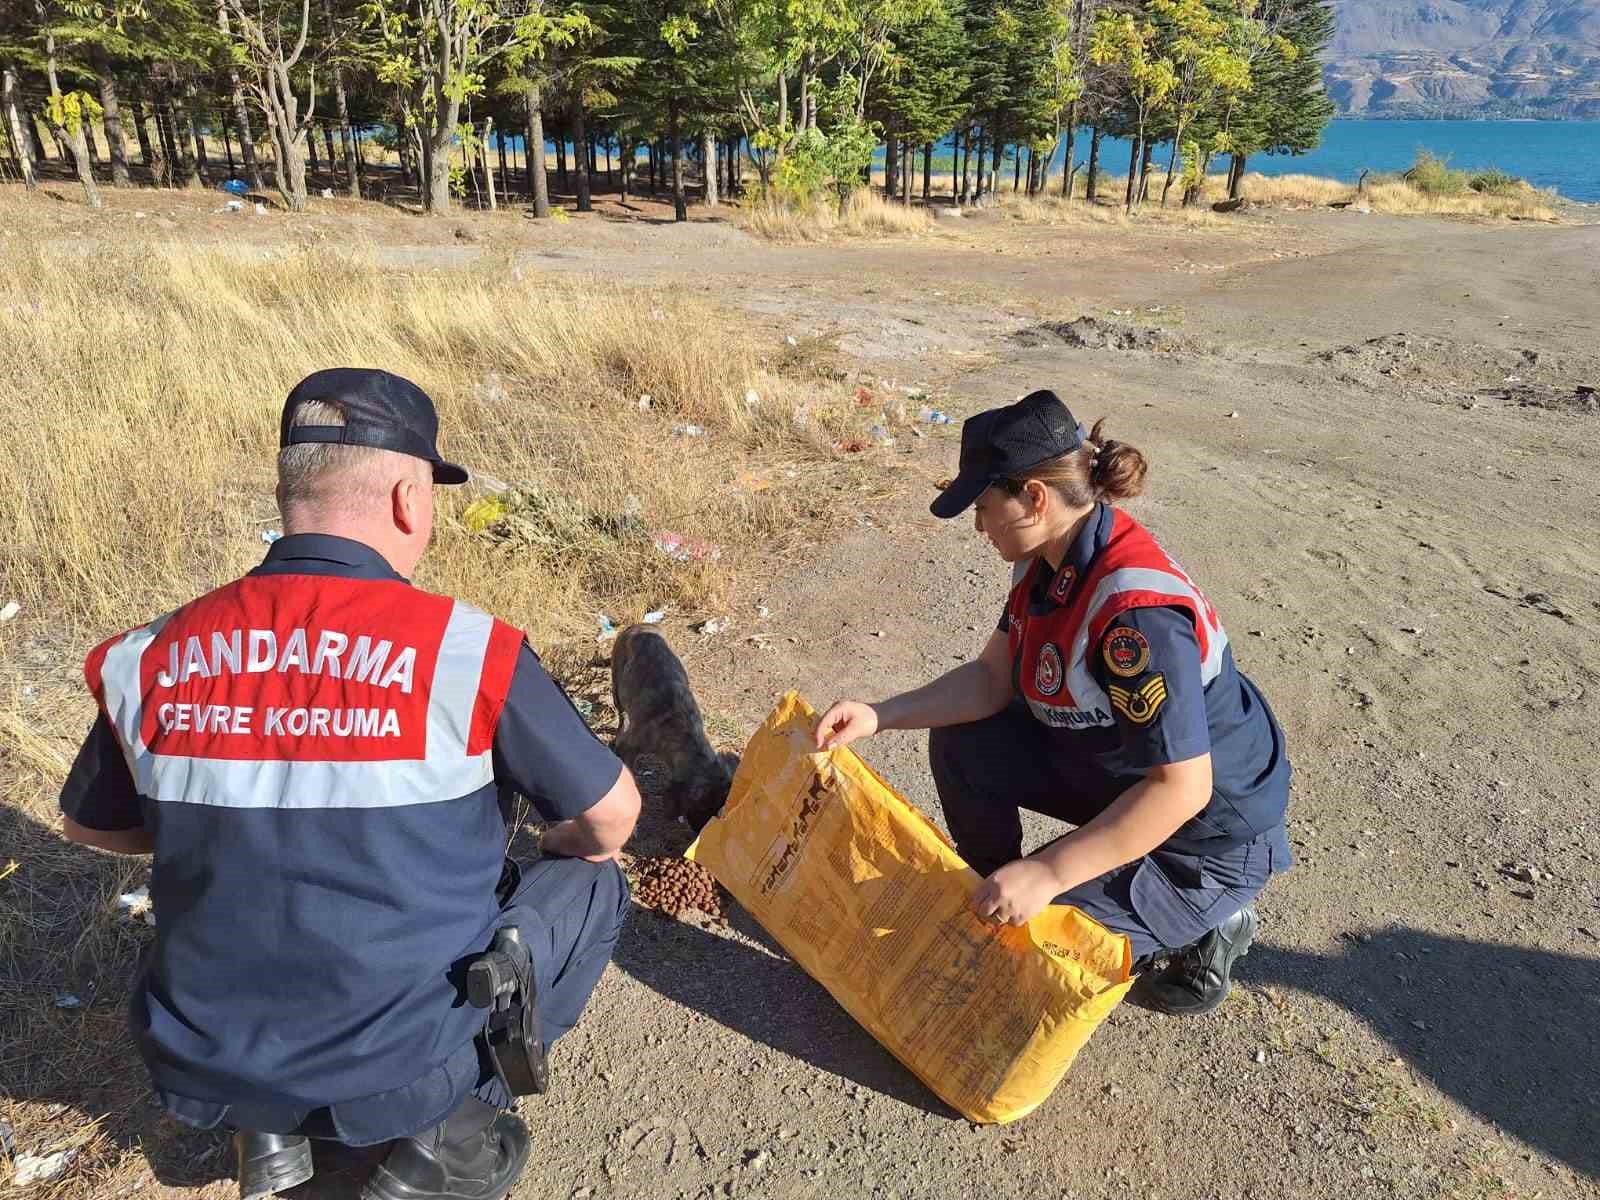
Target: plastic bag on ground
x,y
867,895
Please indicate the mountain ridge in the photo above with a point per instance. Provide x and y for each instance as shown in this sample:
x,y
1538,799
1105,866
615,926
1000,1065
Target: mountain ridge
x,y
1465,58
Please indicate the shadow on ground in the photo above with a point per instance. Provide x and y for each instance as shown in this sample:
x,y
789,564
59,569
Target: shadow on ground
x,y
1511,1033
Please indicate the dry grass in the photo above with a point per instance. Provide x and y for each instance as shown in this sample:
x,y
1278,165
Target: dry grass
x,y
1391,195
867,215
1052,209
141,389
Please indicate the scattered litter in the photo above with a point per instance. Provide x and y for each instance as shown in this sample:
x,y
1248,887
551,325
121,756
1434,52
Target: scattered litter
x,y
763,612
932,416
139,216
851,445
646,402
881,435
1234,415
686,549
751,398
878,633
608,627
481,514
34,1168
234,187
231,206
327,193
754,482
585,707
68,1000
713,625
261,209
792,340
8,1140
271,535
655,616
864,398
137,904
11,609
688,431
1261,1057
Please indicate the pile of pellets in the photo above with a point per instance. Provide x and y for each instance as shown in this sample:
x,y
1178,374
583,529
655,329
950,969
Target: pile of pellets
x,y
674,886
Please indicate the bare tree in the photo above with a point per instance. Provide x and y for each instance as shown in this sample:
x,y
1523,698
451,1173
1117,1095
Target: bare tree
x,y
19,138
241,114
262,40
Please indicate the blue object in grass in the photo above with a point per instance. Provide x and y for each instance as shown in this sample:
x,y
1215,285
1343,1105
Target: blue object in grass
x,y
234,187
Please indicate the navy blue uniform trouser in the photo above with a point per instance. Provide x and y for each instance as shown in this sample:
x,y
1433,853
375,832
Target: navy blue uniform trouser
x,y
986,772
570,913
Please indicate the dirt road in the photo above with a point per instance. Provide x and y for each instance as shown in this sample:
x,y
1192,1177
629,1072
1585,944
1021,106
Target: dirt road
x,y
1404,557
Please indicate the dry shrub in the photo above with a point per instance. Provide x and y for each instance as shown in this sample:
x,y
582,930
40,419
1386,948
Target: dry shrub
x,y
867,214
143,389
1389,194
1052,209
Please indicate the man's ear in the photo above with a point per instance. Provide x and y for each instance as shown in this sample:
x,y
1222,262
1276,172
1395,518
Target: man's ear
x,y
407,497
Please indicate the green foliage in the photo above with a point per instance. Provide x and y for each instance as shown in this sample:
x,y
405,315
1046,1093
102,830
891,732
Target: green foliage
x,y
1433,176
72,110
1495,182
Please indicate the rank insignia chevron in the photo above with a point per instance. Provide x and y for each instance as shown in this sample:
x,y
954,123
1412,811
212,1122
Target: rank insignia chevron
x,y
1141,704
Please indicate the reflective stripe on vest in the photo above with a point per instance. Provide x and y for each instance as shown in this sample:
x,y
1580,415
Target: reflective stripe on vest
x,y
1133,571
219,704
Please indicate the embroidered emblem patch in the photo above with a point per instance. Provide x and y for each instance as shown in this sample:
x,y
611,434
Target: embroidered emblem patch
x,y
1047,671
1141,704
1126,652
1063,584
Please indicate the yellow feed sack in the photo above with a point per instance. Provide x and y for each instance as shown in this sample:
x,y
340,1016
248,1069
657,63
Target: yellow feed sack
x,y
871,899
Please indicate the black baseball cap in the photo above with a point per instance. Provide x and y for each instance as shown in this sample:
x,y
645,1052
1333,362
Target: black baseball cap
x,y
380,410
1003,443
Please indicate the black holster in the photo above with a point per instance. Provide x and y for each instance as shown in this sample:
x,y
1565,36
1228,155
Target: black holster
x,y
500,981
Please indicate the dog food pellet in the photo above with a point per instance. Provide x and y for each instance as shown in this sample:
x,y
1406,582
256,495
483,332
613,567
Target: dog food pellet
x,y
673,886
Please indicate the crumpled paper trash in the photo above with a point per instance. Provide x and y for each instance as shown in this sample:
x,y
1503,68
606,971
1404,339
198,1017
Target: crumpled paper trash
x,y
37,1168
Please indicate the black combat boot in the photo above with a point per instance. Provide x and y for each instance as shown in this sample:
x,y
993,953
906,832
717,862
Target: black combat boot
x,y
477,1153
270,1162
1196,981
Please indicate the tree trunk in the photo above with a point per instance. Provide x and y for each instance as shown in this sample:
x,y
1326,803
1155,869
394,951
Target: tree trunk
x,y
1172,163
960,149
80,148
19,137
192,106
680,203
1091,183
561,158
927,173
227,148
1144,170
1236,163
116,143
1066,163
538,187
182,127
1016,170
484,166
980,156
241,114
891,164
998,156
1133,170
311,151
160,153
655,174
580,151
709,168
436,149
505,171
327,144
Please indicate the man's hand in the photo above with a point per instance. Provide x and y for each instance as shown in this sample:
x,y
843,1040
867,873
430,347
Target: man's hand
x,y
846,722
1017,892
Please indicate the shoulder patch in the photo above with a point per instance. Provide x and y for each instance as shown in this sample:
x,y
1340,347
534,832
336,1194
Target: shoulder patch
x,y
1126,652
1141,704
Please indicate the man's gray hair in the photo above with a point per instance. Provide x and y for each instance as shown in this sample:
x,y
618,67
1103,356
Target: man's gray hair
x,y
326,474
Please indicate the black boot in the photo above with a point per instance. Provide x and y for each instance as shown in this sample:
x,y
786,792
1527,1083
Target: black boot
x,y
1196,981
270,1162
478,1153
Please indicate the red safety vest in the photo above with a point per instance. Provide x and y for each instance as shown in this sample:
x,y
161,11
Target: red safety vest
x,y
297,691
1052,651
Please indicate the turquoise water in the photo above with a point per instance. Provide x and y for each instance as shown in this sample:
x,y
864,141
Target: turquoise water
x,y
1564,155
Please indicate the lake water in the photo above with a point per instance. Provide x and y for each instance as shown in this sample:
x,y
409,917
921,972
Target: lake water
x,y
1564,155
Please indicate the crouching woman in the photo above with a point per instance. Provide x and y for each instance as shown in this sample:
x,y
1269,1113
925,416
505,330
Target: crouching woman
x,y
1108,698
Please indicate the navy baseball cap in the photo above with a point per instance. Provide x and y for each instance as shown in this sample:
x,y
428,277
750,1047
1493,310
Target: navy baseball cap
x,y
1003,443
380,410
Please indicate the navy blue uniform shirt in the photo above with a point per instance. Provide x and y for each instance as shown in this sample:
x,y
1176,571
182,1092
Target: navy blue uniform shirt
x,y
314,915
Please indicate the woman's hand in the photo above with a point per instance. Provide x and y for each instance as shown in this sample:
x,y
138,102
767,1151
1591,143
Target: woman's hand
x,y
1017,892
844,723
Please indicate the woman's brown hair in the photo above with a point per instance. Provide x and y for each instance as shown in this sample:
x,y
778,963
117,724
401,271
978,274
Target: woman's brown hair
x,y
1100,469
